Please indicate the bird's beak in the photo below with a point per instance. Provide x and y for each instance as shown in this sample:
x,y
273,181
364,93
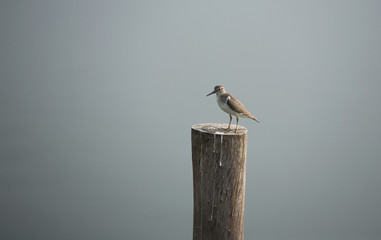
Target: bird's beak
x,y
212,92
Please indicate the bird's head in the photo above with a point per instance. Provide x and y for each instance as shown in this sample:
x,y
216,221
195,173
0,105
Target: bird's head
x,y
217,90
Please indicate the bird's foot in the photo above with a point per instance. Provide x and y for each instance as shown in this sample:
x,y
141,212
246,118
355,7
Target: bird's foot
x,y
227,129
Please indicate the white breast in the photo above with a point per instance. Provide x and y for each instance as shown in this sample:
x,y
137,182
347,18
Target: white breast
x,y
224,105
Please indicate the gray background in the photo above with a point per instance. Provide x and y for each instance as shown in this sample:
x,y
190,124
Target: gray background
x,y
98,98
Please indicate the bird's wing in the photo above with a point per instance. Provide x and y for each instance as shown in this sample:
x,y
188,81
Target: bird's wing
x,y
236,105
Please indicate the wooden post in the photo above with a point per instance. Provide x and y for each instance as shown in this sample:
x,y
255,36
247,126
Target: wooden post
x,y
219,175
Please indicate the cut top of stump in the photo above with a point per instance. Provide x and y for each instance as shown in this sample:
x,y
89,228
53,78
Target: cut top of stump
x,y
220,129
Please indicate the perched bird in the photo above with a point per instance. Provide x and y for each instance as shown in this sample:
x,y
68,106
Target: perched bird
x,y
231,105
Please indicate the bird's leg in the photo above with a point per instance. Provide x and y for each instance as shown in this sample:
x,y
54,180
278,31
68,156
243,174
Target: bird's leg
x,y
227,129
236,127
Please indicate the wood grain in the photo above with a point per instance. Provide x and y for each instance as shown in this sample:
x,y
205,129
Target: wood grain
x,y
219,175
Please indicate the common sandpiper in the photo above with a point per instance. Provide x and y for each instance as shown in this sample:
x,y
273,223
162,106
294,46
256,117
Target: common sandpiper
x,y
231,105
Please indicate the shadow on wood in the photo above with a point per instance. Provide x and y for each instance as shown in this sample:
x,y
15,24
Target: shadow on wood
x,y
219,175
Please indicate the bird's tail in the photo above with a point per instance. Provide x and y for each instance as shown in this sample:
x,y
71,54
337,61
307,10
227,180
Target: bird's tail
x,y
254,118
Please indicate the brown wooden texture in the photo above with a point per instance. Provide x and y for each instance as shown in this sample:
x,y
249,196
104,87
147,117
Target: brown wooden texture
x,y
219,175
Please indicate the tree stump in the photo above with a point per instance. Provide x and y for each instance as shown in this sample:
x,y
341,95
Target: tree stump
x,y
219,175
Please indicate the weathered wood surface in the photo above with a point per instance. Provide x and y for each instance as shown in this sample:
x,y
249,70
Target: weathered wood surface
x,y
219,175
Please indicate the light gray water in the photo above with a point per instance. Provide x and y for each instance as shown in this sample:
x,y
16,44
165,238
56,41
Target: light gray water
x,y
97,99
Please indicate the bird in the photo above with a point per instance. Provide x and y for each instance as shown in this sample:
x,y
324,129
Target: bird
x,y
231,105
